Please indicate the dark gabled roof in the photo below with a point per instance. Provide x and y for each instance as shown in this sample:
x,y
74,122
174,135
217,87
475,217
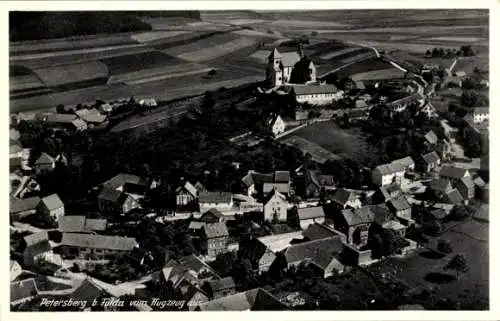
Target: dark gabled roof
x,y
431,158
23,289
253,248
38,248
36,238
52,202
199,187
453,172
343,196
454,197
92,224
440,184
71,224
406,161
439,213
431,137
89,290
194,263
478,181
212,211
315,89
363,215
44,159
390,168
312,249
318,231
22,205
99,241
467,182
253,300
307,213
399,203
189,188
272,194
221,284
110,194
121,179
213,230
214,197
282,176
195,225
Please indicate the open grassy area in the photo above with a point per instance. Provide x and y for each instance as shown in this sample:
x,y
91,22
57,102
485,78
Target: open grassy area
x,y
472,287
346,143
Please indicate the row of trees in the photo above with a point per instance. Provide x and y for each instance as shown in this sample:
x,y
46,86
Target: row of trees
x,y
464,51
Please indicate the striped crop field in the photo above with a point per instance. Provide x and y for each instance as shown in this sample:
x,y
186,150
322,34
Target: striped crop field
x,y
338,53
23,83
371,64
68,74
143,74
74,43
219,50
157,35
131,63
390,73
208,42
261,56
298,24
169,76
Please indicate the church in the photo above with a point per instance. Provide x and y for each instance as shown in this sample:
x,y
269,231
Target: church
x,y
289,67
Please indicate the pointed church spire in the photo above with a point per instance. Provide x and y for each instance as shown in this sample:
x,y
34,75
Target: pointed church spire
x,y
275,54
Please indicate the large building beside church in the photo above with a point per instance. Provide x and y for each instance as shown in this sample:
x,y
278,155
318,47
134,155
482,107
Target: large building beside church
x,y
281,66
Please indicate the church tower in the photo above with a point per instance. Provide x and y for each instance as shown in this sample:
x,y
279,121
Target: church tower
x,y
274,72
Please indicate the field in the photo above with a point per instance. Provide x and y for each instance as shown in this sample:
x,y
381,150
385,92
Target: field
x,y
470,239
179,50
392,73
318,153
343,143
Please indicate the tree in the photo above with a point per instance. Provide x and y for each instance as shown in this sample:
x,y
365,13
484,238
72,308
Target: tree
x,y
212,72
60,109
432,227
458,263
459,213
444,246
208,101
471,98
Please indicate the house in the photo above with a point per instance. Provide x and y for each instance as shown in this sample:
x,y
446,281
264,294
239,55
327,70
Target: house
x,y
20,208
385,193
201,270
317,231
79,124
396,226
275,207
35,238
429,162
148,102
254,181
258,253
214,239
220,288
115,202
316,94
63,121
194,296
252,300
217,200
454,197
280,67
357,114
280,183
310,215
315,183
440,187
444,149
91,289
52,205
81,224
174,277
276,125
480,114
439,213
92,245
199,186
388,173
450,132
447,208
212,216
41,250
312,251
431,138
466,187
45,163
354,224
400,207
186,194
406,162
343,199
479,186
127,183
301,115
22,291
401,104
93,118
453,173
15,270
105,108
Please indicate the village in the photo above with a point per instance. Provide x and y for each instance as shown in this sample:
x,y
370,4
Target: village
x,y
217,245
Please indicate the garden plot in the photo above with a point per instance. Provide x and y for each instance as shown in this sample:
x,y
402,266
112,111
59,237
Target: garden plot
x,y
318,153
69,74
157,35
215,52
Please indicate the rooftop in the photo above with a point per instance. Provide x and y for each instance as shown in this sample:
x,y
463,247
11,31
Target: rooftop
x,y
318,231
25,204
214,197
121,179
431,158
311,212
52,202
213,230
312,249
221,284
406,161
98,241
363,215
453,172
390,168
314,89
251,300
399,203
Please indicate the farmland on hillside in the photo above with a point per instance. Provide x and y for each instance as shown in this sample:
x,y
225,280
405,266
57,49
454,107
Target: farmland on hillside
x,y
391,73
367,65
220,50
67,74
157,35
205,43
130,63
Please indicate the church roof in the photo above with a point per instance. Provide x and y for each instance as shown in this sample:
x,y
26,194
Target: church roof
x,y
275,54
289,59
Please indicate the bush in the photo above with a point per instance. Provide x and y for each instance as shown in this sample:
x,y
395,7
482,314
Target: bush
x,y
444,246
432,227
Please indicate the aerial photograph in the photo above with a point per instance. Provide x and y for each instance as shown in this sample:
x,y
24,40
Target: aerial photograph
x,y
249,160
